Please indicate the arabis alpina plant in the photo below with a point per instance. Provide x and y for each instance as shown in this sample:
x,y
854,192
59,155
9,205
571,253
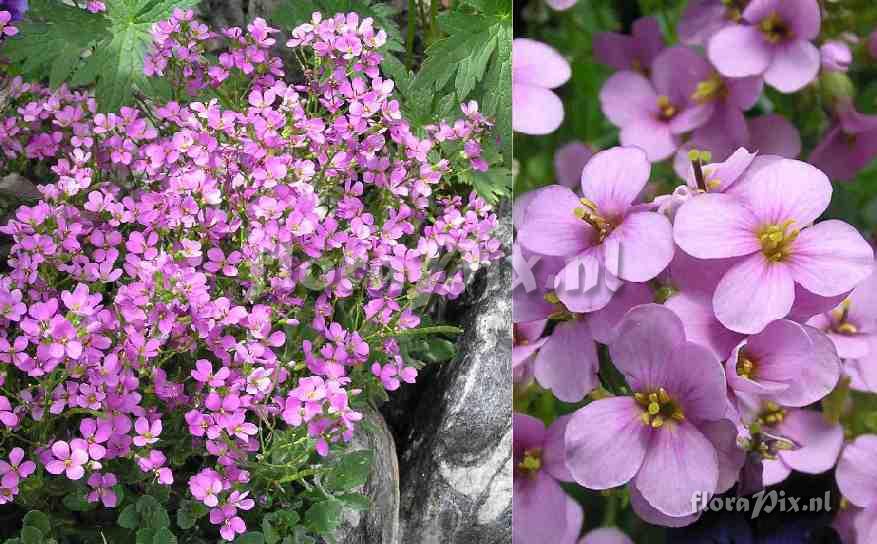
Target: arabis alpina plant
x,y
208,285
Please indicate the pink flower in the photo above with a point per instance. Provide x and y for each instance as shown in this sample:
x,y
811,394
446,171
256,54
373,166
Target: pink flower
x,y
96,434
764,221
536,69
635,52
102,489
147,433
232,525
68,461
773,40
608,237
14,471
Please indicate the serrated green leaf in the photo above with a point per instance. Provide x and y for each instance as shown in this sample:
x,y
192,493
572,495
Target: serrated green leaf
x,y
122,58
52,39
38,519
497,85
492,185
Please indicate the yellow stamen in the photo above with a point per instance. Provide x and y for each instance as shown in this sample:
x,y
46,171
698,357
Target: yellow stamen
x,y
776,240
710,89
658,408
667,109
774,28
745,366
531,463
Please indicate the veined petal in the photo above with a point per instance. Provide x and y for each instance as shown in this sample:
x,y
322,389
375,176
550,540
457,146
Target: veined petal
x,y
535,110
857,472
830,258
613,179
606,442
739,51
753,293
567,364
645,246
714,226
551,227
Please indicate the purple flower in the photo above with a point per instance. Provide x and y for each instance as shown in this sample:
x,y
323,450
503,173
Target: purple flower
x,y
536,69
794,364
817,443
857,480
102,489
67,460
15,470
147,433
849,144
635,52
765,222
567,361
605,535
652,112
671,430
16,8
836,56
569,161
232,525
542,509
96,433
606,234
772,40
704,18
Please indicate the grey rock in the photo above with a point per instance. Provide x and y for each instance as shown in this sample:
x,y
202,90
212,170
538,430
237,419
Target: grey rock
x,y
380,523
455,457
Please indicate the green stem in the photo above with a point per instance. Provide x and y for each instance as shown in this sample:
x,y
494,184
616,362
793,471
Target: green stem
x,y
433,25
611,511
412,30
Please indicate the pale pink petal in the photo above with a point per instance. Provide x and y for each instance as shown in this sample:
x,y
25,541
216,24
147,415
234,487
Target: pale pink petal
x,y
567,364
650,514
569,161
606,442
551,227
714,226
700,323
857,472
538,64
535,110
680,463
830,258
652,136
723,436
604,322
645,246
613,179
753,293
628,97
794,65
785,190
739,51
820,441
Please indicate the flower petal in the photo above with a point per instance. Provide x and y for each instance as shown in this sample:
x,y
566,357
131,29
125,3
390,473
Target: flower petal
x,y
628,97
753,293
650,514
652,136
540,507
613,179
681,462
606,442
551,227
830,258
794,65
538,64
739,51
567,364
820,441
857,472
714,226
535,110
645,246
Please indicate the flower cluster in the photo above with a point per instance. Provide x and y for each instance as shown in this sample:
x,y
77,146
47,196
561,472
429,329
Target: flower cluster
x,y
210,273
725,318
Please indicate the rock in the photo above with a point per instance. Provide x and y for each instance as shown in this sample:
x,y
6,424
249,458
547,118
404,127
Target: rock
x,y
380,523
455,453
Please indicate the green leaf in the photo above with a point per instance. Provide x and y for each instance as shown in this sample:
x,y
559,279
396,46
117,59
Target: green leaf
x,y
324,517
129,518
356,501
146,536
252,537
350,470
164,536
189,513
497,85
122,60
32,535
52,39
76,501
493,184
38,519
152,513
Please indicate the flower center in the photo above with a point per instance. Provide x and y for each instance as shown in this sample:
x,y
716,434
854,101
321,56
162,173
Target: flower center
x,y
776,240
658,407
774,28
841,325
666,108
710,89
734,10
531,463
745,366
590,215
771,414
